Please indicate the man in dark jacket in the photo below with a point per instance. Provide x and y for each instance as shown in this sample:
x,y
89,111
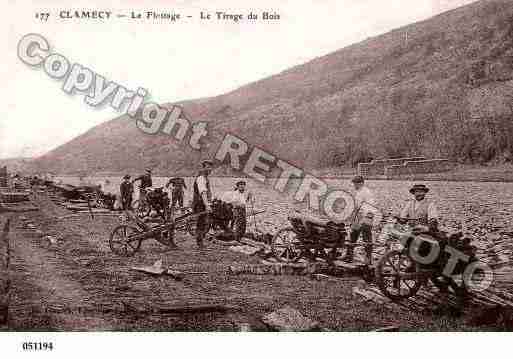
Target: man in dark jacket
x,y
126,189
146,183
201,201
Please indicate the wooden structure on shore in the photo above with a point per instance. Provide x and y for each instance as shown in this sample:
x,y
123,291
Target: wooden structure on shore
x,y
3,176
396,168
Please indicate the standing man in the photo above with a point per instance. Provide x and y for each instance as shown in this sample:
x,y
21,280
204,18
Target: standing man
x,y
362,219
239,199
201,200
126,189
421,210
146,183
178,184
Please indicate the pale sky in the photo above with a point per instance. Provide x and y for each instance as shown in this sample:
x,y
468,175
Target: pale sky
x,y
174,61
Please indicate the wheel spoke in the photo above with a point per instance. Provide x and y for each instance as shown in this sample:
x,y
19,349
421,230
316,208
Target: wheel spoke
x,y
129,243
406,283
284,245
393,265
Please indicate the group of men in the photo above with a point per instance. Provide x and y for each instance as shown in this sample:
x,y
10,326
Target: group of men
x,y
419,210
201,196
126,189
202,199
364,217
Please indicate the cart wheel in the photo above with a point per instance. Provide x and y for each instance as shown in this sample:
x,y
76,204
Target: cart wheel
x,y
166,237
190,227
389,271
120,243
332,254
141,209
284,245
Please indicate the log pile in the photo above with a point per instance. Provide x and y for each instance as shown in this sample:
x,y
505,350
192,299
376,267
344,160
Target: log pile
x,y
16,201
14,197
4,274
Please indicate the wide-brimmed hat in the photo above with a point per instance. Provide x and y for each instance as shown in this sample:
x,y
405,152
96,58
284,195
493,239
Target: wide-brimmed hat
x,y
126,177
204,163
357,179
240,182
419,187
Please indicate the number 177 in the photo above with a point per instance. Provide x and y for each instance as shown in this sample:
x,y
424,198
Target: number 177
x,y
43,16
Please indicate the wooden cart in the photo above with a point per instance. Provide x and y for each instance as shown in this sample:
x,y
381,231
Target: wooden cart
x,y
400,274
126,239
309,238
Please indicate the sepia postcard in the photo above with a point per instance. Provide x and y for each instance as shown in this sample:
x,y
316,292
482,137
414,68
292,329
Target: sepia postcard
x,y
183,177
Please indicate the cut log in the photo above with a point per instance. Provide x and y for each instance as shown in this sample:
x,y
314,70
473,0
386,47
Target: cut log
x,y
191,308
18,207
96,211
276,269
248,250
158,269
253,243
288,319
14,197
155,269
319,276
391,328
369,295
177,275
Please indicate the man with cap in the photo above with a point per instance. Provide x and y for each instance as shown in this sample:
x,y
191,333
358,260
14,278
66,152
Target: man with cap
x,y
178,184
126,189
239,199
201,201
419,209
146,183
363,218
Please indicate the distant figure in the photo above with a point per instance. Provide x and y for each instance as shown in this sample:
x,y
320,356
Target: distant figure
x,y
15,181
146,183
126,189
178,184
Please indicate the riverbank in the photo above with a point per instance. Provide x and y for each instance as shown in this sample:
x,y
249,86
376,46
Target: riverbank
x,y
461,173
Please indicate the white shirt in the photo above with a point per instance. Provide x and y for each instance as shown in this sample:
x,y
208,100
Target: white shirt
x,y
366,205
236,198
432,210
201,181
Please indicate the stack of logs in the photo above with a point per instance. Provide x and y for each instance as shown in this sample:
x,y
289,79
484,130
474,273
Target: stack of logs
x,y
4,274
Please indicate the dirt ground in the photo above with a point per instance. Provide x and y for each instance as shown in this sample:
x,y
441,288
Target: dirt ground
x,y
78,284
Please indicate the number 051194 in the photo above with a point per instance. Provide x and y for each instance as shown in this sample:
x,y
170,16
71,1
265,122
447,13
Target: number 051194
x,y
37,346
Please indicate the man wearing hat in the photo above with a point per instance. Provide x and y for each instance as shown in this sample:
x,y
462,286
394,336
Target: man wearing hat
x,y
363,218
239,199
126,189
420,209
177,191
146,183
201,199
